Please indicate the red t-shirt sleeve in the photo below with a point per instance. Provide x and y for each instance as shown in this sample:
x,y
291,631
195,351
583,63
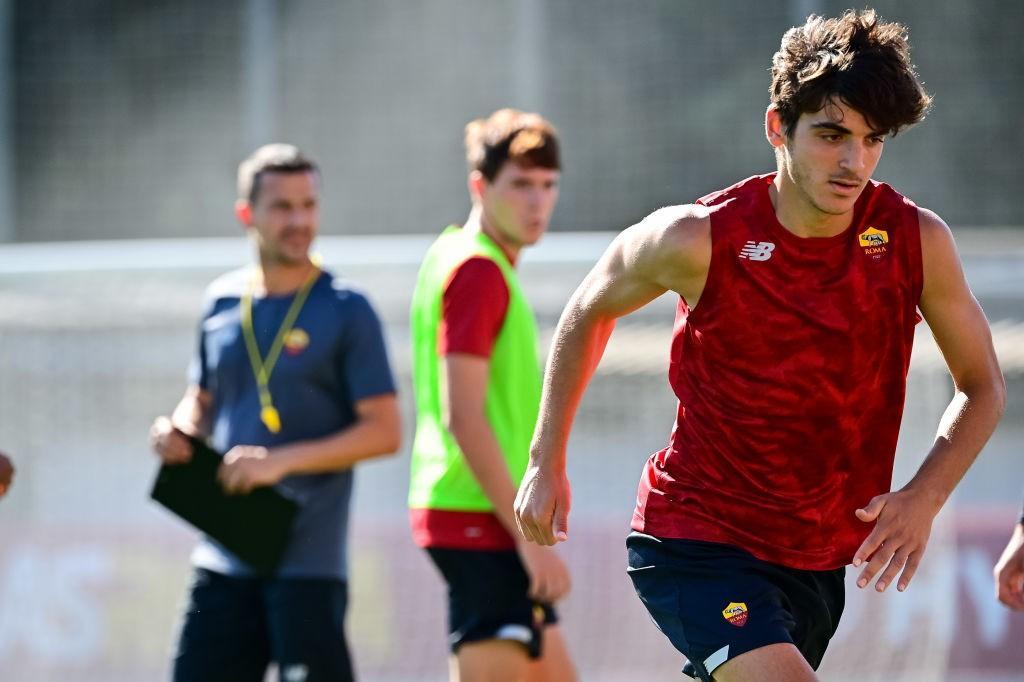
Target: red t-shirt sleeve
x,y
473,308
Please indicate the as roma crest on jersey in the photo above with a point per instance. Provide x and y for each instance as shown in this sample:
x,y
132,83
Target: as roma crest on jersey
x,y
736,613
873,241
296,341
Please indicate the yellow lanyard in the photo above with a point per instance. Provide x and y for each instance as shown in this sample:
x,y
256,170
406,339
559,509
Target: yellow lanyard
x,y
262,367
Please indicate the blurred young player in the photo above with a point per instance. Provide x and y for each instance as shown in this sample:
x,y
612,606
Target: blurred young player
x,y
291,380
799,295
477,381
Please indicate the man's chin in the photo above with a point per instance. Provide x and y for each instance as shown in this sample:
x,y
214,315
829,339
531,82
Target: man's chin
x,y
836,206
293,259
531,238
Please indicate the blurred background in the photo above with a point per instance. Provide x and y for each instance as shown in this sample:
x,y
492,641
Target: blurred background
x,y
121,126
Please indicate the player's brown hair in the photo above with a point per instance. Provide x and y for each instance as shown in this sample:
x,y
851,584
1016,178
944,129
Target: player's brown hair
x,y
271,158
511,135
855,59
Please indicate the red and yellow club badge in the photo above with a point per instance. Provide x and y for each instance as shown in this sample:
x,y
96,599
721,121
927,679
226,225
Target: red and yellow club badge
x,y
736,613
873,241
295,341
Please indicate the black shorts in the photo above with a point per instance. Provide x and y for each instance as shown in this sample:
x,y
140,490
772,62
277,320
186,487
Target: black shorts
x,y
715,602
487,598
234,627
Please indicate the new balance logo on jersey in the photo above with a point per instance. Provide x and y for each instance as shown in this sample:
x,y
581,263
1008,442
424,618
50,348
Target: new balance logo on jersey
x,y
757,250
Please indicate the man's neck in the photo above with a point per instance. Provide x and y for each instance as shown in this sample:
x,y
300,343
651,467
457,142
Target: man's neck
x,y
795,212
477,222
276,278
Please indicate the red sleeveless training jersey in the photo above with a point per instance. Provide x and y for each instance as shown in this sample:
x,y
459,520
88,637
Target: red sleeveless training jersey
x,y
791,374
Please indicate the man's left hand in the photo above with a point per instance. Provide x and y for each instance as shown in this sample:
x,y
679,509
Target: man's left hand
x,y
249,466
903,524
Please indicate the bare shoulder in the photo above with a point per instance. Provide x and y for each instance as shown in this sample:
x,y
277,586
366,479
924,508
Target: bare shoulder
x,y
671,247
935,233
683,225
938,247
677,235
943,271
932,226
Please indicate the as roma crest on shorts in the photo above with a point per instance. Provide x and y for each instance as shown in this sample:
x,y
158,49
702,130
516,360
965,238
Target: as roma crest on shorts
x,y
736,613
295,341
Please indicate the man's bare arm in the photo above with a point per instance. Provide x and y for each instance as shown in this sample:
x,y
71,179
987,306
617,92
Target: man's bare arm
x,y
963,336
466,416
903,519
376,431
669,250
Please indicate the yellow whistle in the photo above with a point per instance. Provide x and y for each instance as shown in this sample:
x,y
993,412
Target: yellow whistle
x,y
271,419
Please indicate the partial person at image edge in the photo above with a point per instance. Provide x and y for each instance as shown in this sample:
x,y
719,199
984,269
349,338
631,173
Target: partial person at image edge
x,y
6,473
1009,570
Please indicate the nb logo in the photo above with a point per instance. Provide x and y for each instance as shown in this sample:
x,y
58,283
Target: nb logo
x,y
757,250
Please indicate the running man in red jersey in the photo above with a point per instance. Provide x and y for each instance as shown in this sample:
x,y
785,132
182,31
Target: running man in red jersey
x,y
799,295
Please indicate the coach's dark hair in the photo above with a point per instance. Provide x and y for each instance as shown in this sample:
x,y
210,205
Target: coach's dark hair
x,y
511,135
270,158
855,59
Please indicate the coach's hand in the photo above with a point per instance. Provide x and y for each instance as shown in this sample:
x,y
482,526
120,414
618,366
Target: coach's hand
x,y
172,445
542,505
249,466
903,524
1009,571
549,576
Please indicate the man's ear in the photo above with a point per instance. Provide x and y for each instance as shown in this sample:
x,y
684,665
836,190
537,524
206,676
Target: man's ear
x,y
477,184
243,212
773,128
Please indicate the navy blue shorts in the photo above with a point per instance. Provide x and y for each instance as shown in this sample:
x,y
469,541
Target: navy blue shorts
x,y
715,602
487,598
234,627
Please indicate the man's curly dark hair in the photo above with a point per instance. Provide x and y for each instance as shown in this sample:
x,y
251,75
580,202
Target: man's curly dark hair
x,y
857,60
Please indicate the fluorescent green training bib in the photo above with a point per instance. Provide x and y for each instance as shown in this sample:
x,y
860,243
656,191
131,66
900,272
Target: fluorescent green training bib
x,y
440,477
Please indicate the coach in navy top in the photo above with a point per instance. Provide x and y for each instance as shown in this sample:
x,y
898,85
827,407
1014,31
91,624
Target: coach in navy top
x,y
291,380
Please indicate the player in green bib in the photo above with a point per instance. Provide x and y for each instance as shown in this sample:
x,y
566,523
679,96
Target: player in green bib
x,y
477,382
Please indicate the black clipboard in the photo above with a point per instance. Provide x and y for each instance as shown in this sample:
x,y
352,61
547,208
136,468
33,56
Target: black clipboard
x,y
255,527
